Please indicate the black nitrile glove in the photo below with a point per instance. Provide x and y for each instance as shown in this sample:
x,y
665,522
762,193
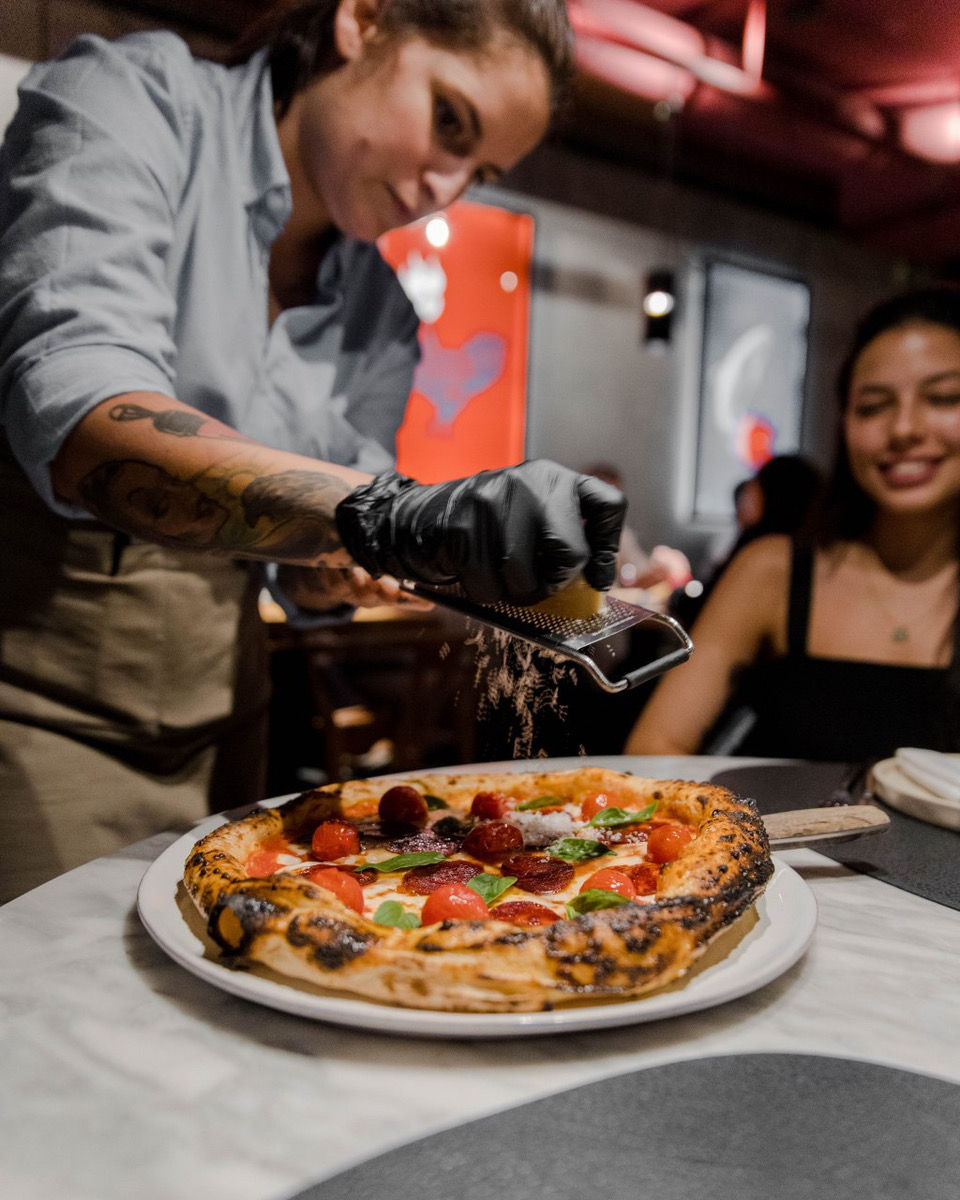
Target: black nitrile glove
x,y
518,534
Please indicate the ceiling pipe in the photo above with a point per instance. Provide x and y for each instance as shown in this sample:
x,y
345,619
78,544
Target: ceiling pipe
x,y
713,62
754,38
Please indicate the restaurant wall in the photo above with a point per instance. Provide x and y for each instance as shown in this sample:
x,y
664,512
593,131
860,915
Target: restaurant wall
x,y
595,391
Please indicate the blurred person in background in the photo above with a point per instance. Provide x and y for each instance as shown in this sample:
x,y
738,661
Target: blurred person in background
x,y
778,499
205,362
844,645
635,567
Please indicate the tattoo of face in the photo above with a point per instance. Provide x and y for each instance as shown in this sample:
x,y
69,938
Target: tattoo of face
x,y
289,515
146,500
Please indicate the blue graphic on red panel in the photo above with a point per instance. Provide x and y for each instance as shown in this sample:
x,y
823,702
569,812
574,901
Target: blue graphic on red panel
x,y
450,377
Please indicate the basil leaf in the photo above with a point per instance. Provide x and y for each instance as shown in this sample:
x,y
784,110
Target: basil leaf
x,y
577,850
539,802
392,912
434,802
403,862
593,900
491,886
608,818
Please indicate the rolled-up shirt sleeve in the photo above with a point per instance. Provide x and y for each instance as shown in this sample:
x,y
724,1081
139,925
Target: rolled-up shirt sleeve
x,y
90,177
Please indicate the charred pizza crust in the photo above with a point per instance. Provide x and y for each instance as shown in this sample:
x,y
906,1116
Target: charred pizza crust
x,y
300,930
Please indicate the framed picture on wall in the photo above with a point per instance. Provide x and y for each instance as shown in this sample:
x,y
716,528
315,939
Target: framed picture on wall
x,y
752,373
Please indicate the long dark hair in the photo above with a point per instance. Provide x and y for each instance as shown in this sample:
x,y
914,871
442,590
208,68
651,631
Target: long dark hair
x,y
847,511
298,35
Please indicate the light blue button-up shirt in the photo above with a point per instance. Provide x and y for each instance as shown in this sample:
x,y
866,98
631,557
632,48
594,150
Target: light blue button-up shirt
x,y
140,192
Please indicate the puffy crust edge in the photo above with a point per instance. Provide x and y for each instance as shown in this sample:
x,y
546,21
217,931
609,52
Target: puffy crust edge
x,y
303,931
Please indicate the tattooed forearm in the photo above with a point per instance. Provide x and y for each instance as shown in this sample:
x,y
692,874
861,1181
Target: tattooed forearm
x,y
280,501
287,516
177,421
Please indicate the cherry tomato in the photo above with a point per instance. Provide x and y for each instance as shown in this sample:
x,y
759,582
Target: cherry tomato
x,y
493,841
594,802
454,902
334,839
609,879
489,806
261,863
403,804
526,913
343,885
666,843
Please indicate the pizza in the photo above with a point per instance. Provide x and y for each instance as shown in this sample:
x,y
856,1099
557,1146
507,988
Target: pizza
x,y
504,892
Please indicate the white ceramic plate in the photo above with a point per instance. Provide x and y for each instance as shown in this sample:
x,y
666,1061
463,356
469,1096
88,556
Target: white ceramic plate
x,y
893,787
752,954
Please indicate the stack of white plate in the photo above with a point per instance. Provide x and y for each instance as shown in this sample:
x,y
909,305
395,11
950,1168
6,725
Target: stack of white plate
x,y
921,783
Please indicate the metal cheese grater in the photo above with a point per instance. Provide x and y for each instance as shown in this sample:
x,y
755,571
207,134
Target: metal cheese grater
x,y
586,640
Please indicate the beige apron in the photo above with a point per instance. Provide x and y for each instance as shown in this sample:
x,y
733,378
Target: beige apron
x,y
133,688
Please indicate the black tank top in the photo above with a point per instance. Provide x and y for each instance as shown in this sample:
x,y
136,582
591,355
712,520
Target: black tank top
x,y
838,710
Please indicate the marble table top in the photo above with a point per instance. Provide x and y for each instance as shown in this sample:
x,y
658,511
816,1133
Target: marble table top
x,y
123,1075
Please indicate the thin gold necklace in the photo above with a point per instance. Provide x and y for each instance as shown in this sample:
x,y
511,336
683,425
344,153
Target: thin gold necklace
x,y
901,628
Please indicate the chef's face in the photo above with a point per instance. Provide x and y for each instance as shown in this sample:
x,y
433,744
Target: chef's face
x,y
902,420
405,125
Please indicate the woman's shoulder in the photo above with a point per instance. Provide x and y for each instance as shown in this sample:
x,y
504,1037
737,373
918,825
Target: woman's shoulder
x,y
767,558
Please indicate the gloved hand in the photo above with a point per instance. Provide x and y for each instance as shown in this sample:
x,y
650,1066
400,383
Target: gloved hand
x,y
518,534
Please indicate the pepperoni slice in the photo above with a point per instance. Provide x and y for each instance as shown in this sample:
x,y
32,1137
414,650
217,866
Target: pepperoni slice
x,y
489,805
538,874
493,841
421,881
402,803
425,839
526,913
644,876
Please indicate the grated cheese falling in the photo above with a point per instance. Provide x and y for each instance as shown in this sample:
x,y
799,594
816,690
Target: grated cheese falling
x,y
516,678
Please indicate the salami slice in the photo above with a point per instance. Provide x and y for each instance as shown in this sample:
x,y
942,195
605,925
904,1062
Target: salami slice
x,y
493,840
425,839
421,881
526,913
374,832
538,874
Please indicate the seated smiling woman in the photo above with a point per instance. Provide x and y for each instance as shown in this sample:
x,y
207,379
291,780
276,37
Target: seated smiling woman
x,y
844,645
205,362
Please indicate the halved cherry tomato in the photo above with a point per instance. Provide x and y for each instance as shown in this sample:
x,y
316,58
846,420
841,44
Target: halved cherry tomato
x,y
489,806
346,889
594,802
334,839
261,863
454,902
611,880
666,843
526,913
403,804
